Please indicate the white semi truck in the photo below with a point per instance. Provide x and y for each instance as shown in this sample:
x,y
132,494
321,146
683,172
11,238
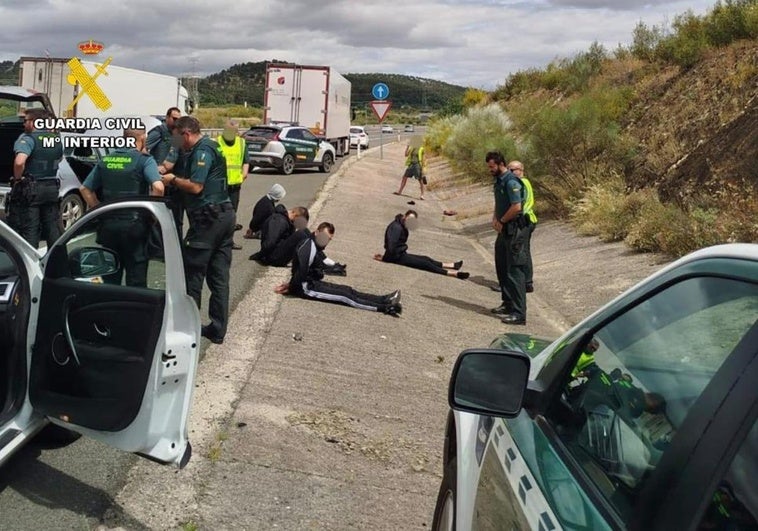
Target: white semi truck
x,y
130,92
316,97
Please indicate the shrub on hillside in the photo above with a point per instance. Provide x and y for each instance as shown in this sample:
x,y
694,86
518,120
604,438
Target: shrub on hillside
x,y
438,131
606,211
483,129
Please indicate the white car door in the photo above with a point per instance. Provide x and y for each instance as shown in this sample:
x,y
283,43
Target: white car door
x,y
111,357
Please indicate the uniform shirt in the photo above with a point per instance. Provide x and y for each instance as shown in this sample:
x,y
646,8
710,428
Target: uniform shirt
x,y
508,191
27,145
159,143
148,168
205,165
395,240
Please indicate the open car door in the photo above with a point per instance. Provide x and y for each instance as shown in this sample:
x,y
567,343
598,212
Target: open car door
x,y
115,346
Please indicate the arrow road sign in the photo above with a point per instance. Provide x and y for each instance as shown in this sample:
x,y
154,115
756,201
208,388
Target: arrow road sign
x,y
380,91
381,108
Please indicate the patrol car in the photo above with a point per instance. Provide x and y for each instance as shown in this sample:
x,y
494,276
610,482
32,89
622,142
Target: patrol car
x,y
286,147
643,416
86,353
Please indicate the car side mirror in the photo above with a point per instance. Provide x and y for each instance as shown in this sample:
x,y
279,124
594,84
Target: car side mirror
x,y
89,262
489,382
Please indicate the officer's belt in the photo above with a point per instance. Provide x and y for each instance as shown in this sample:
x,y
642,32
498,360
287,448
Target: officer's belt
x,y
215,207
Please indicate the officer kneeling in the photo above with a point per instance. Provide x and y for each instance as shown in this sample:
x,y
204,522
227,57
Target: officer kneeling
x,y
124,173
207,248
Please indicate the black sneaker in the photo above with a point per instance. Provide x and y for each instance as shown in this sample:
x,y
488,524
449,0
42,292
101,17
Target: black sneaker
x,y
457,265
393,298
514,319
503,309
206,333
530,287
462,275
394,310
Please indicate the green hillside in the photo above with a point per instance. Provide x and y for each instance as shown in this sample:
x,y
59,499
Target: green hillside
x,y
9,72
245,82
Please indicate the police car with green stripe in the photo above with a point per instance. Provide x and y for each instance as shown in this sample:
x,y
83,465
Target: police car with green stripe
x,y
286,147
643,416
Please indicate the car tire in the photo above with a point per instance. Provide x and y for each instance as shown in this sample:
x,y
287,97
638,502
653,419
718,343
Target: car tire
x,y
444,512
288,164
72,208
326,163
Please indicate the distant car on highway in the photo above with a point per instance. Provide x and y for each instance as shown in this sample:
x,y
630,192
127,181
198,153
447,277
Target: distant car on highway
x,y
387,129
358,136
642,416
408,128
288,147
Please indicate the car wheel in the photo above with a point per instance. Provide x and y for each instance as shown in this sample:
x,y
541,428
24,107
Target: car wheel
x,y
72,208
288,164
326,162
444,512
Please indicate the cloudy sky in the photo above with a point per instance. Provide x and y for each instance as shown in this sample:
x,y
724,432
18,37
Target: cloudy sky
x,y
465,42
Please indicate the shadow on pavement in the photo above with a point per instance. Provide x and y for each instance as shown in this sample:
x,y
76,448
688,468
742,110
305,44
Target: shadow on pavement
x,y
463,305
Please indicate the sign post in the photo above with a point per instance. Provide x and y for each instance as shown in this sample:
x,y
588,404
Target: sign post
x,y
380,92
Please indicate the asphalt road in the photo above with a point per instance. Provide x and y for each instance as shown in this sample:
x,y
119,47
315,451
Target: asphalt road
x,y
71,487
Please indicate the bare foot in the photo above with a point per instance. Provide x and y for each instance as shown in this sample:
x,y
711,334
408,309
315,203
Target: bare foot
x,y
421,198
397,193
378,256
282,289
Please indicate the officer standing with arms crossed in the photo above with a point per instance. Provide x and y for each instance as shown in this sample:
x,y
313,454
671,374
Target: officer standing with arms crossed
x,y
33,205
234,149
510,225
125,172
207,248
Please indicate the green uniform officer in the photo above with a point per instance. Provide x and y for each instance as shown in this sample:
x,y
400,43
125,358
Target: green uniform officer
x,y
207,248
510,257
33,209
159,143
518,168
124,173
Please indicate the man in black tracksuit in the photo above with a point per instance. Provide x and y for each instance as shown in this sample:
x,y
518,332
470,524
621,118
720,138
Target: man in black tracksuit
x,y
308,272
263,209
277,228
396,247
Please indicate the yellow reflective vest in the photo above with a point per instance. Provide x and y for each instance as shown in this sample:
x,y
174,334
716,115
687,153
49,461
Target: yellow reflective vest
x,y
235,157
409,158
529,200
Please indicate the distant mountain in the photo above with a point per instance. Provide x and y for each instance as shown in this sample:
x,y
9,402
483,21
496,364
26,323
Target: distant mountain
x,y
245,83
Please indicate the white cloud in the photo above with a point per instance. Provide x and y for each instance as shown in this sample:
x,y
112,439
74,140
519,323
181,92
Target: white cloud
x,y
466,42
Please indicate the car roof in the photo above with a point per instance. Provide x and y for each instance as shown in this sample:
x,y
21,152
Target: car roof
x,y
18,92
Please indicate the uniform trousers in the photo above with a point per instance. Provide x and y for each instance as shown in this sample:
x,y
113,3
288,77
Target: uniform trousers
x,y
207,253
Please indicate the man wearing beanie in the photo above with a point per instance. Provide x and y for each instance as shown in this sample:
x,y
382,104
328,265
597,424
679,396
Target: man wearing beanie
x,y
263,209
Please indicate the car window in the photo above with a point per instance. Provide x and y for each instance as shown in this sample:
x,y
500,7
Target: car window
x,y
122,248
734,504
295,134
262,132
307,135
638,378
356,130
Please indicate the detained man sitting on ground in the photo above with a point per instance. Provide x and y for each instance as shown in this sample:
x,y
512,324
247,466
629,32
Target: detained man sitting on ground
x,y
396,247
308,272
277,228
263,209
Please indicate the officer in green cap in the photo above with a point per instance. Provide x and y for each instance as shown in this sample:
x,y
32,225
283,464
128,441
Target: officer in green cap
x,y
207,248
33,209
123,173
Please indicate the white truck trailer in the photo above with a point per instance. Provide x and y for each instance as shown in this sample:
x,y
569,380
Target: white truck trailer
x,y
316,97
130,92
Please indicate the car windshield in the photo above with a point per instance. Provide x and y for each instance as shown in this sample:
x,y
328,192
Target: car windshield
x,y
356,130
262,132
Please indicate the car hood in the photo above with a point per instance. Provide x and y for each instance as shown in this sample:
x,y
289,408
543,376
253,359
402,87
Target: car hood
x,y
528,344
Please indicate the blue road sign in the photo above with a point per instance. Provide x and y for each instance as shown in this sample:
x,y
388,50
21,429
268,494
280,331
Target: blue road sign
x,y
380,91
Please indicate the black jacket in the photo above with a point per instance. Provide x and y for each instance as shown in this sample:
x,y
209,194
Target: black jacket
x,y
276,229
307,265
395,240
261,212
285,250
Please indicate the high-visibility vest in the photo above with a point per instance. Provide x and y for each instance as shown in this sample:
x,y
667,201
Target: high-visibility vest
x,y
418,154
235,156
529,201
